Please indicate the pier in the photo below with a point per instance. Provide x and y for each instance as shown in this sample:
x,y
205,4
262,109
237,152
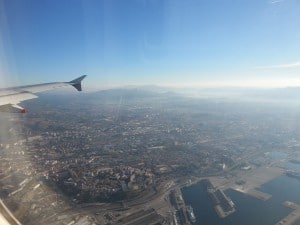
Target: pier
x,y
255,194
223,205
180,213
293,217
258,194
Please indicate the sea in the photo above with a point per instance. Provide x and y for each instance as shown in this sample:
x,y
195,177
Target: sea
x,y
249,210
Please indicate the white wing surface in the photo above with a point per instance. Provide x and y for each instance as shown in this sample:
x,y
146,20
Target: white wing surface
x,y
11,97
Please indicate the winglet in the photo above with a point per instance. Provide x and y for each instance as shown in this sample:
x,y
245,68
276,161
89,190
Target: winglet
x,y
77,82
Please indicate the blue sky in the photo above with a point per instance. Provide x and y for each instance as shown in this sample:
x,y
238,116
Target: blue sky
x,y
175,42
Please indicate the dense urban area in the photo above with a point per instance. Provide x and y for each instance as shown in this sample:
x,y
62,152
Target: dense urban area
x,y
122,156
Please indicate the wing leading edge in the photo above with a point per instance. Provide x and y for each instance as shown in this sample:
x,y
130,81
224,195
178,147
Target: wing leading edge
x,y
11,97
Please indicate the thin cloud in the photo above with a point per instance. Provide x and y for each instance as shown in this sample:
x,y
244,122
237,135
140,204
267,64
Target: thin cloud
x,y
275,1
280,66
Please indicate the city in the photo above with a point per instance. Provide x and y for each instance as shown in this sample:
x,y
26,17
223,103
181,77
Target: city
x,y
122,156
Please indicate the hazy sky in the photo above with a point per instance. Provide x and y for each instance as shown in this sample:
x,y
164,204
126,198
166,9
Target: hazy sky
x,y
175,42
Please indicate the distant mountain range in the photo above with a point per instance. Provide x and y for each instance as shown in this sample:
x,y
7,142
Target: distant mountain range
x,y
152,91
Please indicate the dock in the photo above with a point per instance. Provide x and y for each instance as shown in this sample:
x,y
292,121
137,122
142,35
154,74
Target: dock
x,y
223,205
255,194
293,217
258,194
180,213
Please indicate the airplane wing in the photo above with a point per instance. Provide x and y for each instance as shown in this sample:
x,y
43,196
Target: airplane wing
x,y
11,97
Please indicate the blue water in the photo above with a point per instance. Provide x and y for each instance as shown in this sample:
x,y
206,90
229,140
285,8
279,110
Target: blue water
x,y
250,211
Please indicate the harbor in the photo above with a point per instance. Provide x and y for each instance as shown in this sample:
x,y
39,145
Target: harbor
x,y
264,195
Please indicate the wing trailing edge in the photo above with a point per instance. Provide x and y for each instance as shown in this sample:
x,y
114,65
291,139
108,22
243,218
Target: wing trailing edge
x,y
12,108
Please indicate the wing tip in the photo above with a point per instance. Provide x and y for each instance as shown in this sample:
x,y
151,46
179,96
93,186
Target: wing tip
x,y
76,83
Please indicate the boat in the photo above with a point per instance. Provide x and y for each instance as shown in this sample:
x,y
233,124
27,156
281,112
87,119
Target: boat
x,y
191,214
